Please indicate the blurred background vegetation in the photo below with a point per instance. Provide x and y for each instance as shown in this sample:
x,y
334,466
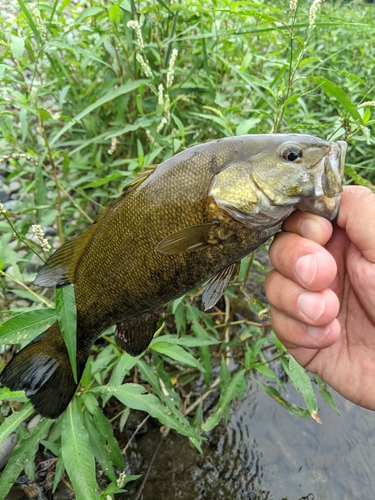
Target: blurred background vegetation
x,y
92,93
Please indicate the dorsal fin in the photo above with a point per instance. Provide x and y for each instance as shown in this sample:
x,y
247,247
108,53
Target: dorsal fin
x,y
59,270
150,169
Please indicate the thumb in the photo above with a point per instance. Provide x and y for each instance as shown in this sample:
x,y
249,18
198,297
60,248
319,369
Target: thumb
x,y
357,217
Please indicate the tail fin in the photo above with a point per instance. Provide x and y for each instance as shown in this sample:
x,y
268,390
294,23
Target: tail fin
x,y
43,370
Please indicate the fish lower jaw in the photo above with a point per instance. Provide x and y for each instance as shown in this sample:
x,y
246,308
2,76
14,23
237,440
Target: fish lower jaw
x,y
260,219
321,205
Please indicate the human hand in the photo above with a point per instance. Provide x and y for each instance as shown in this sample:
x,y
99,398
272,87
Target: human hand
x,y
322,294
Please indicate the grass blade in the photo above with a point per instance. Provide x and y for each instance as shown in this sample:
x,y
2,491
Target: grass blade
x,y
124,89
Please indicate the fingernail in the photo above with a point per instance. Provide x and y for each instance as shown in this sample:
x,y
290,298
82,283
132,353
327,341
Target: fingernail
x,y
311,304
306,268
318,333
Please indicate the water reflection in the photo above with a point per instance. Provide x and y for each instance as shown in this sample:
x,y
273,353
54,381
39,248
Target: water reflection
x,y
264,453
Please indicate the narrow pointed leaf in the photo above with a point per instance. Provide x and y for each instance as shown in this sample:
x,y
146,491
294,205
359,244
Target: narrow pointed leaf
x,y
276,396
132,395
77,454
24,327
176,352
24,451
14,420
67,317
113,94
229,392
302,383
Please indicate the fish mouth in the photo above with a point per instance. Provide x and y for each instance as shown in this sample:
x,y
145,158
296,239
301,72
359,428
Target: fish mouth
x,y
328,176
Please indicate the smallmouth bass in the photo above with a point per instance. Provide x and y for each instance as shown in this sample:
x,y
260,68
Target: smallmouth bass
x,y
184,222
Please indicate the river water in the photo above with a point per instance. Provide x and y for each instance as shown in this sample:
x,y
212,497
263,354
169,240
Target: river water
x,y
263,453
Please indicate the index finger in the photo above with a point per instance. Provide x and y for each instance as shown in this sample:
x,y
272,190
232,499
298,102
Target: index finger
x,y
303,261
310,226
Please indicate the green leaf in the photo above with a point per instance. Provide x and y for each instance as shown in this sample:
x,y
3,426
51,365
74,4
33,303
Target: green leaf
x,y
25,326
113,94
89,12
103,180
132,395
275,395
267,372
246,125
229,392
14,420
3,68
324,392
115,14
357,178
6,394
185,340
67,317
176,352
98,445
17,46
302,383
77,454
24,451
44,114
201,334
309,60
333,90
122,368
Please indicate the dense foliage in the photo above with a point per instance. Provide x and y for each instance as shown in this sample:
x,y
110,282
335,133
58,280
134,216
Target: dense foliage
x,y
89,97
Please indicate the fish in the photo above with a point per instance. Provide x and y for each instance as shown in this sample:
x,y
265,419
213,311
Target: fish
x,y
182,224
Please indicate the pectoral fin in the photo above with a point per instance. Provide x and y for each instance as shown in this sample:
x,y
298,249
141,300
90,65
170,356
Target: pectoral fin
x,y
135,336
217,285
188,239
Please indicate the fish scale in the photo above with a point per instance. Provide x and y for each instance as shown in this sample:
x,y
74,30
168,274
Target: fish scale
x,y
186,221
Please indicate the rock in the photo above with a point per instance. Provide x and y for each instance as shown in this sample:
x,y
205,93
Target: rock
x,y
49,231
6,448
14,186
10,205
4,194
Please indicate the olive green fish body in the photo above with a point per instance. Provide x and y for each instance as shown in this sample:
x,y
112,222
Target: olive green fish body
x,y
188,220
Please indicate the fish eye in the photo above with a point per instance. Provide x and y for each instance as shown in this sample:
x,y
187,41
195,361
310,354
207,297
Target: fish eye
x,y
292,154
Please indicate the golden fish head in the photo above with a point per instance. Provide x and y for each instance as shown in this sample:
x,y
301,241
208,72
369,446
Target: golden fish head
x,y
286,173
